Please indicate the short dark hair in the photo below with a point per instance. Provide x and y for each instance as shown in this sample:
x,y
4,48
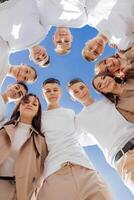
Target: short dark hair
x,y
24,85
51,80
73,81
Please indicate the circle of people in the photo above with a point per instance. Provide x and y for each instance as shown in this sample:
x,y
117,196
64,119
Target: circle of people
x,y
41,154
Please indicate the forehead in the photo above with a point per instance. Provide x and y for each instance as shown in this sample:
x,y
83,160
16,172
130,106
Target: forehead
x,y
33,98
77,85
51,86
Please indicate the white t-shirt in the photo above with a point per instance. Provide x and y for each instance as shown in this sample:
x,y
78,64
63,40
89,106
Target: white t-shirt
x,y
115,19
20,24
22,133
62,140
64,13
4,56
2,111
107,126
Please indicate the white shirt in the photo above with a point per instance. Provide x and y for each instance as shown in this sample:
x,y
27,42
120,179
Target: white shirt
x,y
64,13
20,24
4,56
22,133
62,140
107,126
2,111
115,19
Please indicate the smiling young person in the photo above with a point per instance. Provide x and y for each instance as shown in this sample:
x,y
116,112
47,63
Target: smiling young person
x,y
69,174
14,92
119,65
22,148
120,94
112,133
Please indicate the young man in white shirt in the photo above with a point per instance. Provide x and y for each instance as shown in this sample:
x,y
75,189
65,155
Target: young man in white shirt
x,y
68,173
113,134
22,73
13,93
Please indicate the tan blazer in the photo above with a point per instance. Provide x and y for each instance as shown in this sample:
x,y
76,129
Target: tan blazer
x,y
127,57
30,160
125,105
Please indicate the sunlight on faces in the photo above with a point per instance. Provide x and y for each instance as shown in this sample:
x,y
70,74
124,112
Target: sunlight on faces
x,y
104,84
52,93
39,55
25,73
93,49
62,40
15,91
29,107
79,91
110,64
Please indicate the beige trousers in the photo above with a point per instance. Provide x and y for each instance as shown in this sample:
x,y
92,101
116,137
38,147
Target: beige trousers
x,y
125,167
73,182
7,190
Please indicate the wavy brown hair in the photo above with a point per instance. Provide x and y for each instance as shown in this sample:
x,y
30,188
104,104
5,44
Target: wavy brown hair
x,y
36,122
112,97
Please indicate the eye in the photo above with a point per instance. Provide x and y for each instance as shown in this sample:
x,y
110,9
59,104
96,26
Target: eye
x,y
103,77
48,91
96,53
17,87
55,90
25,78
75,92
82,87
59,42
99,85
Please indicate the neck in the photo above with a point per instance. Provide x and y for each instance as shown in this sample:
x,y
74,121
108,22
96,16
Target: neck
x,y
53,106
88,102
26,120
5,98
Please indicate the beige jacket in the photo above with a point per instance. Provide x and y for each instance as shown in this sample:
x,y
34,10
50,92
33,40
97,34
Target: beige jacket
x,y
30,160
125,105
127,58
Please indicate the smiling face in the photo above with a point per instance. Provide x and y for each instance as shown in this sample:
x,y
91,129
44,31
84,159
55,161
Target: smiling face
x,y
80,92
105,84
93,49
29,107
110,64
24,73
16,91
62,40
52,93
39,55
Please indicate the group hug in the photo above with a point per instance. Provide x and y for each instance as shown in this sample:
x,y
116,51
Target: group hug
x,y
41,153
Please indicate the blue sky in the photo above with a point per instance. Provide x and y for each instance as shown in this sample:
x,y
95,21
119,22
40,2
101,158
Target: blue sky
x,y
65,68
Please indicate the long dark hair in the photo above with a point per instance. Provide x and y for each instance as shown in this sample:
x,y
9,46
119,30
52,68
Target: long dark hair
x,y
112,97
36,122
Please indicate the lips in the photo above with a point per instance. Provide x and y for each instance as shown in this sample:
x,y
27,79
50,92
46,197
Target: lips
x,y
84,96
28,108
